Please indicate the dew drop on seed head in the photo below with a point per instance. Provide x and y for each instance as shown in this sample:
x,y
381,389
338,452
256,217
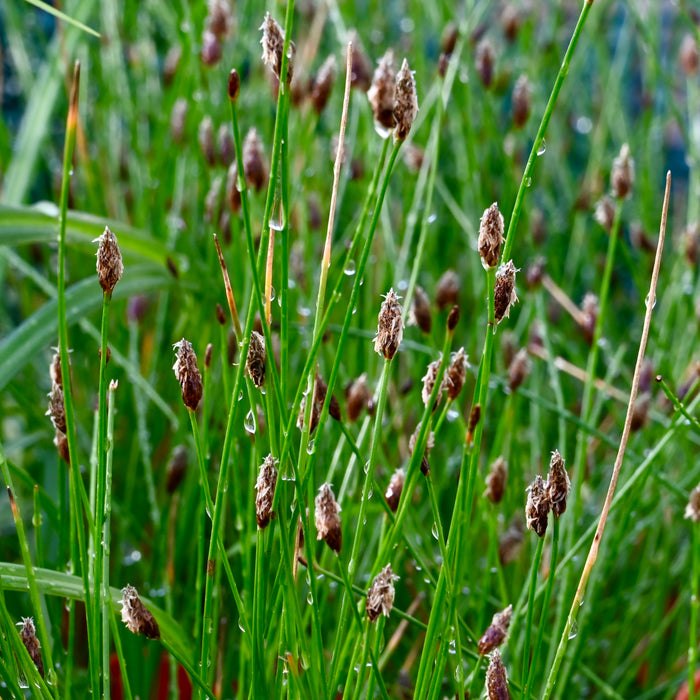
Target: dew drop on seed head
x,y
542,148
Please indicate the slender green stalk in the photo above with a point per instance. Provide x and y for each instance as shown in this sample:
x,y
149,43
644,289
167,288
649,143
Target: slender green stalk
x,y
527,686
531,613
31,578
694,609
526,179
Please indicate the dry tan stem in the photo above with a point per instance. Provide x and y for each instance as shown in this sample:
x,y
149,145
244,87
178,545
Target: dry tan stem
x,y
229,292
650,302
562,298
268,275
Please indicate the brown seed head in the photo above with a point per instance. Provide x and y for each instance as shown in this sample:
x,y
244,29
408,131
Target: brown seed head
x,y
356,397
327,518
178,117
207,355
265,487
361,69
187,374
171,63
519,369
255,361
496,481
405,102
380,597
395,488
605,212
177,466
234,85
109,261
390,326
254,165
497,632
413,157
511,543
504,290
381,94
455,374
219,20
205,138
57,409
136,616
538,505
558,484
430,443
640,413
491,236
429,383
688,55
690,243
211,48
692,510
225,145
474,418
591,309
448,39
497,679
485,60
510,21
447,290
55,369
273,45
323,84
453,318
220,314
31,643
420,311
320,389
521,101
61,442
622,175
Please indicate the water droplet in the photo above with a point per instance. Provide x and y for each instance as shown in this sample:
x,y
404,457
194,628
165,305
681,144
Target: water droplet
x,y
583,125
459,674
303,311
354,310
647,300
309,598
402,285
370,493
272,294
240,625
528,182
452,415
349,268
435,531
432,218
276,224
573,631
542,148
310,447
365,467
240,396
381,130
249,422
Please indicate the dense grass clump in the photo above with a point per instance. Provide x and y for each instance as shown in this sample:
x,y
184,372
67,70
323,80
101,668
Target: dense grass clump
x,y
379,384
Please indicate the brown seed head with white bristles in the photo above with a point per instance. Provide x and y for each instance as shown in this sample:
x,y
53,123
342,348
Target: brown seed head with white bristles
x,y
521,101
327,518
31,643
273,46
361,69
61,442
447,290
136,616
109,261
538,505
55,369
380,597
430,443
265,488
497,679
590,308
455,374
405,102
485,62
395,488
323,84
504,290
692,509
497,632
496,480
390,326
57,409
381,92
519,369
622,175
605,212
558,484
429,383
187,374
357,397
420,311
490,236
255,361
254,166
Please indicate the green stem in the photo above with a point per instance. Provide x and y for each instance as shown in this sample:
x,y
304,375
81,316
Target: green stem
x,y
539,138
530,613
694,607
